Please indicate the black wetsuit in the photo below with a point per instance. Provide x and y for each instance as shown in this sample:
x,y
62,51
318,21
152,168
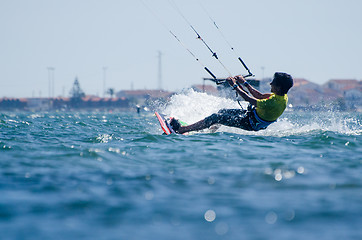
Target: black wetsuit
x,y
240,118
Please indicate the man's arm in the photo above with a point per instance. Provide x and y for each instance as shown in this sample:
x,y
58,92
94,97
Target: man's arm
x,y
252,90
241,92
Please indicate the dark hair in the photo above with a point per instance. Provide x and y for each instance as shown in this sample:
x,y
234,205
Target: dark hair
x,y
284,81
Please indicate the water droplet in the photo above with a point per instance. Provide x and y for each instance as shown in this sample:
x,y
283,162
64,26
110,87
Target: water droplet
x,y
268,171
290,215
221,228
271,218
210,215
149,195
278,177
289,174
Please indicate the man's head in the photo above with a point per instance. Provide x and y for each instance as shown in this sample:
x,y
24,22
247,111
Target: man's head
x,y
282,82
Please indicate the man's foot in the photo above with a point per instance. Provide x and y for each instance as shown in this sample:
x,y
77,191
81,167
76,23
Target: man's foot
x,y
175,124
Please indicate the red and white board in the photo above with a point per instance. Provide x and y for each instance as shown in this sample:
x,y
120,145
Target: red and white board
x,y
166,128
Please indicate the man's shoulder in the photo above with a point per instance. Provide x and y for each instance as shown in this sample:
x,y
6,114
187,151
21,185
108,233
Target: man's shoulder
x,y
266,96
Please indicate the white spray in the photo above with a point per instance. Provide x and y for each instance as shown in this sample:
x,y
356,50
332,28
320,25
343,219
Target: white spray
x,y
190,106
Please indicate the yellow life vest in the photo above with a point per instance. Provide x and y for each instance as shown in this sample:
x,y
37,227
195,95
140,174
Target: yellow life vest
x,y
271,108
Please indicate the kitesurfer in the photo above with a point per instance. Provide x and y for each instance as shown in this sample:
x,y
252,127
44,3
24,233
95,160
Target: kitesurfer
x,y
263,110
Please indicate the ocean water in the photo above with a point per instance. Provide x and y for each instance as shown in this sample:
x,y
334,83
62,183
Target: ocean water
x,y
88,175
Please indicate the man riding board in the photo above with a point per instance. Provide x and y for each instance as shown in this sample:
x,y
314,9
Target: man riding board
x,y
263,110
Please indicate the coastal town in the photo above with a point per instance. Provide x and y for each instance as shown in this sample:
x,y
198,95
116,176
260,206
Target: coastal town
x,y
336,94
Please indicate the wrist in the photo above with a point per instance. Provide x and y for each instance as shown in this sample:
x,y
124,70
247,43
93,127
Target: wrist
x,y
235,86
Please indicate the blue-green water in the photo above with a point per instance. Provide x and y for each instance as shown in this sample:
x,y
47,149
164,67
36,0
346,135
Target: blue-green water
x,y
115,176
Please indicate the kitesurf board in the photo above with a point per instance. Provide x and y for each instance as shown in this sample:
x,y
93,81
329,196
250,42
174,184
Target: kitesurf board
x,y
165,125
166,128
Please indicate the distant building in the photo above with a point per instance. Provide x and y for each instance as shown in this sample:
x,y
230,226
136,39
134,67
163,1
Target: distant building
x,y
38,104
336,94
305,93
349,92
12,103
209,89
342,84
49,104
91,102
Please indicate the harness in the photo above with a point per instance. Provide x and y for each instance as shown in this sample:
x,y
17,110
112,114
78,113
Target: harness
x,y
255,121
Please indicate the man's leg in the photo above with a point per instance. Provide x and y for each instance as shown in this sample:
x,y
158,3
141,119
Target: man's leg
x,y
228,117
194,127
206,122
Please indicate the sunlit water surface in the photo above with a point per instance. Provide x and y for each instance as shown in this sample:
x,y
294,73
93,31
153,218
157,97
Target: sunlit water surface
x,y
115,176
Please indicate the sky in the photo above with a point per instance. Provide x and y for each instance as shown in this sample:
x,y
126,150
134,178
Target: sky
x,y
116,43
